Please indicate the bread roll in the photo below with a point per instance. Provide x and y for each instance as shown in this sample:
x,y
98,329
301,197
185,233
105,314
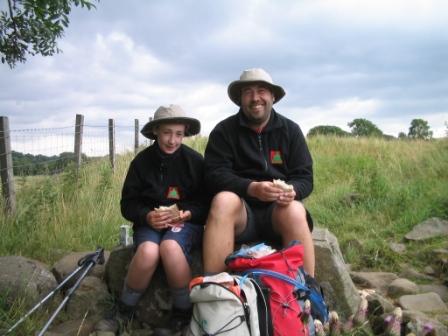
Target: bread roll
x,y
172,208
282,185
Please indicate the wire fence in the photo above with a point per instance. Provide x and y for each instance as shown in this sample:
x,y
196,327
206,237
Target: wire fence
x,y
48,151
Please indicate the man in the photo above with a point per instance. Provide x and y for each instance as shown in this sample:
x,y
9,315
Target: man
x,y
244,154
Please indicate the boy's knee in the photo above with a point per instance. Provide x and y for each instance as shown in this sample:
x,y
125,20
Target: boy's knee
x,y
147,252
168,247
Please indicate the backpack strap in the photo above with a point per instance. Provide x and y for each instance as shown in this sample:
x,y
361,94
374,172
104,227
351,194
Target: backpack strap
x,y
317,301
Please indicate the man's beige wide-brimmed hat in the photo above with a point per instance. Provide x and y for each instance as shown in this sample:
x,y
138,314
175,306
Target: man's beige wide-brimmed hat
x,y
172,114
252,76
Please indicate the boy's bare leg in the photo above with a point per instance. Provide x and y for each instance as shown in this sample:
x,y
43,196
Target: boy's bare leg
x,y
142,266
175,263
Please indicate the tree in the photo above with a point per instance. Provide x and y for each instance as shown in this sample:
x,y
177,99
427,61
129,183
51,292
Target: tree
x,y
327,130
364,127
402,135
32,27
419,130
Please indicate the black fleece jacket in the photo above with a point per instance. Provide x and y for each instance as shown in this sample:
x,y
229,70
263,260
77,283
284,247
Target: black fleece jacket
x,y
155,178
236,155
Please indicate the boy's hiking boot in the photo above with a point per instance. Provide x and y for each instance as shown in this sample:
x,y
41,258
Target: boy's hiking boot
x,y
117,319
177,324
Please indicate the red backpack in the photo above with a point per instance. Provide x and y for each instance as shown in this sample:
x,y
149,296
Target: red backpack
x,y
284,286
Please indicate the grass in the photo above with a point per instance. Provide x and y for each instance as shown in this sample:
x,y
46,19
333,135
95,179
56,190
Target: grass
x,y
368,192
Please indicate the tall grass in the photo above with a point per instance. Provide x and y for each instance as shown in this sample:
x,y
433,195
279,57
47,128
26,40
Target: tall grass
x,y
368,192
371,192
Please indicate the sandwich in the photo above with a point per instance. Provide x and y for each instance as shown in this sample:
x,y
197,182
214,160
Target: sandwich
x,y
283,185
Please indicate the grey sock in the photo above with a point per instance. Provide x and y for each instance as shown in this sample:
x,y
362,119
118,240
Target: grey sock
x,y
181,298
130,296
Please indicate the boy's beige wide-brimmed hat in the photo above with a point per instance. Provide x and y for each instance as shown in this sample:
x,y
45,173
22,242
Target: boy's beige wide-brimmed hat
x,y
252,76
172,114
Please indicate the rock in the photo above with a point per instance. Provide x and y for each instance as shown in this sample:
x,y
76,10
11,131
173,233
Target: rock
x,y
397,248
379,305
400,287
408,272
117,267
441,290
69,263
72,328
155,305
426,303
429,270
21,277
103,333
90,299
377,280
415,322
340,292
433,227
440,257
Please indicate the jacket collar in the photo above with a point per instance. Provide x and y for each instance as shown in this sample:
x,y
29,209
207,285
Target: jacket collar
x,y
273,123
160,155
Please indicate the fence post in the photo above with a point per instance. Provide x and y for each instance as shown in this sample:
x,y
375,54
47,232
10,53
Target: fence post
x,y
79,127
112,143
6,168
136,136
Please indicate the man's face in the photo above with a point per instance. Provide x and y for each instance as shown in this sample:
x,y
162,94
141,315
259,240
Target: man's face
x,y
256,103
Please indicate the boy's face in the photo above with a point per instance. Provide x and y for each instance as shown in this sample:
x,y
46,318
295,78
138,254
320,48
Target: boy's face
x,y
169,137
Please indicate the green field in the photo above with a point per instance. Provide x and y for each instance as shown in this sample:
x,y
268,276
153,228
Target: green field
x,y
368,192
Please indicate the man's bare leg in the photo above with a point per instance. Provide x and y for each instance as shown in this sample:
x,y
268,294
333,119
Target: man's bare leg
x,y
227,218
290,222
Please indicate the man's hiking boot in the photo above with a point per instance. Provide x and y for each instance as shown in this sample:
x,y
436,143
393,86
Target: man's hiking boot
x,y
177,325
117,319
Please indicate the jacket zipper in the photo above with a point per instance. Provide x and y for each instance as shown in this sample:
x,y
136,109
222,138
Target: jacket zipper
x,y
161,171
260,146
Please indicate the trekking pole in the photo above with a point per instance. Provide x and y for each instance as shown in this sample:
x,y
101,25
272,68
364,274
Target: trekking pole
x,y
90,260
81,264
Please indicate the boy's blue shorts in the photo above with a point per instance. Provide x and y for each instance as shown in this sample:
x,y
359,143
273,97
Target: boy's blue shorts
x,y
188,237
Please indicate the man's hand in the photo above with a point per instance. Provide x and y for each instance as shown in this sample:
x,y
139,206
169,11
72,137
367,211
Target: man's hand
x,y
265,191
286,197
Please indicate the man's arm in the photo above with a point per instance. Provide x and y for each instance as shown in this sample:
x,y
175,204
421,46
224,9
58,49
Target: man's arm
x,y
300,166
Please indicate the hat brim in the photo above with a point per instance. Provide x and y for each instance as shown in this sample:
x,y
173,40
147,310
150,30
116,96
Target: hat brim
x,y
234,90
194,126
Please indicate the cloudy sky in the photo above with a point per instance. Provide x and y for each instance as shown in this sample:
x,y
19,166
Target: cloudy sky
x,y
386,61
